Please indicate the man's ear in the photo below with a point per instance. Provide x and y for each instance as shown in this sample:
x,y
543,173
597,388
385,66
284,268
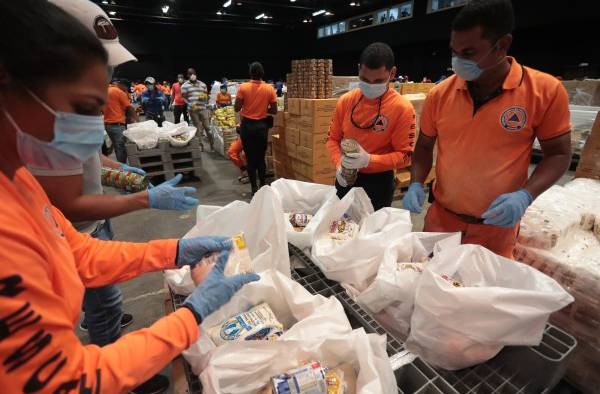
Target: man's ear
x,y
504,43
393,73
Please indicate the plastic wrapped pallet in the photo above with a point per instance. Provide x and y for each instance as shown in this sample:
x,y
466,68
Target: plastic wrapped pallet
x,y
302,197
263,226
144,134
355,261
574,261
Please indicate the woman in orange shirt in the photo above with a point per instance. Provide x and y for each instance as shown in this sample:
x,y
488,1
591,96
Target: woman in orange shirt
x,y
56,123
223,97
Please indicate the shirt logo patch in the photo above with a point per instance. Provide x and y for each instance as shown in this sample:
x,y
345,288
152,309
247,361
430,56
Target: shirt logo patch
x,y
381,123
513,118
52,222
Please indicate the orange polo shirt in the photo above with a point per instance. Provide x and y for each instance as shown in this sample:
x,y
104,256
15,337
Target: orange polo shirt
x,y
390,141
224,99
257,96
46,265
116,105
236,153
483,154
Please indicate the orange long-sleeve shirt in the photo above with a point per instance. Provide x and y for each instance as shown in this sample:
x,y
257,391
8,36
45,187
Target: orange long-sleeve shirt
x,y
236,153
45,266
390,141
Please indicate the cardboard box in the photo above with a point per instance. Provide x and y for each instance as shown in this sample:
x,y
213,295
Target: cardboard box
x,y
312,140
408,88
318,108
314,125
292,135
310,156
589,163
293,121
294,106
279,119
291,149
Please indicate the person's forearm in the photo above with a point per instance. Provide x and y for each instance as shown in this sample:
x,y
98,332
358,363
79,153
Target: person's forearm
x,y
104,206
547,172
421,163
389,161
109,163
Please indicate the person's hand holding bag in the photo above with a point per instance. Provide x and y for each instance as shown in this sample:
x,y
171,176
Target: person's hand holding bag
x,y
217,289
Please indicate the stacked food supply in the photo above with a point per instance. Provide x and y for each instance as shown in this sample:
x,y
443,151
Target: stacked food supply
x,y
311,378
239,261
560,236
310,78
259,323
124,180
224,117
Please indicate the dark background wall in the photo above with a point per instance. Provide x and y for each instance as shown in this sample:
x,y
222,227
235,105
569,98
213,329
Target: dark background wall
x,y
552,36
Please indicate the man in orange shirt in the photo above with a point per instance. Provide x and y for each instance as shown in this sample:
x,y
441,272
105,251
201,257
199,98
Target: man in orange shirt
x,y
223,97
381,121
485,119
118,112
254,100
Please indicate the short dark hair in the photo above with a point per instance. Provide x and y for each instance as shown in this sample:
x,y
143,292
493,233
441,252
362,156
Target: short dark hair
x,y
256,71
52,44
496,18
376,55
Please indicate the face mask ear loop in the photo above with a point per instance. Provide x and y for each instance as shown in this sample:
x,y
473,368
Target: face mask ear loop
x,y
11,121
39,100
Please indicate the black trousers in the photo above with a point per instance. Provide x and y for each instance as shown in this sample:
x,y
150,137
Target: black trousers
x,y
378,186
254,135
178,110
158,118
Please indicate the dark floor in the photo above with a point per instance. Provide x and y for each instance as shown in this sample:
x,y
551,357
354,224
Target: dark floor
x,y
144,296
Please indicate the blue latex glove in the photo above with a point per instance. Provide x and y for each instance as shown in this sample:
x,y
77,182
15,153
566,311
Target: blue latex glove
x,y
414,198
192,250
217,289
128,168
508,209
167,196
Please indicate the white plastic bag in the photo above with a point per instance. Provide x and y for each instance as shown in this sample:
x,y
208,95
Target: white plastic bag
x,y
169,129
302,197
148,124
392,291
263,226
248,368
181,136
356,261
144,136
499,302
302,315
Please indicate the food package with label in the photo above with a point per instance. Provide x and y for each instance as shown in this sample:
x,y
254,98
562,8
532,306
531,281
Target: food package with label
x,y
259,323
299,220
239,261
343,229
311,378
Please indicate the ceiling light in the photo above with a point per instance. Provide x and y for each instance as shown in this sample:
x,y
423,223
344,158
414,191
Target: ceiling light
x,y
238,3
227,3
318,12
328,13
292,1
165,9
219,13
352,4
305,21
113,13
260,16
105,2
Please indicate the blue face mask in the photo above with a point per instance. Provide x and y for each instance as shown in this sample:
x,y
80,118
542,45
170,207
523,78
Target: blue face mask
x,y
469,70
76,139
150,88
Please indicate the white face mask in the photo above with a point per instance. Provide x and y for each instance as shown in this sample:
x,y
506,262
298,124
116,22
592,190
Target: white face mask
x,y
373,90
193,77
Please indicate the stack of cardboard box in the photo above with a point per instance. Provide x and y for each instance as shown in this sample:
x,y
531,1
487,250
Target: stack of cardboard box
x,y
411,88
300,152
589,163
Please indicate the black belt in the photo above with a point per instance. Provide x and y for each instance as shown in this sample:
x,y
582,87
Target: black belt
x,y
465,218
115,124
